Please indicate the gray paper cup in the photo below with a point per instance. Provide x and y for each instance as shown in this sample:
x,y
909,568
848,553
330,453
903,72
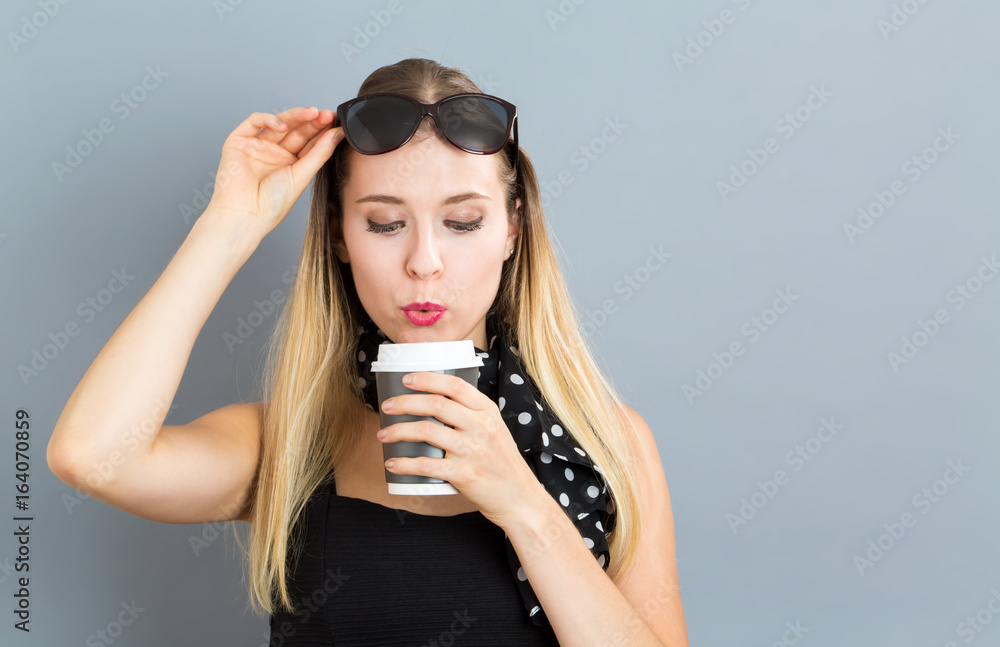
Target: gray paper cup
x,y
396,360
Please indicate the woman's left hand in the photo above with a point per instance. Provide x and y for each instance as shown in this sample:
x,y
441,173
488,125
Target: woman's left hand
x,y
481,458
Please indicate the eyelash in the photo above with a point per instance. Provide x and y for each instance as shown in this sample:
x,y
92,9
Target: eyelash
x,y
462,227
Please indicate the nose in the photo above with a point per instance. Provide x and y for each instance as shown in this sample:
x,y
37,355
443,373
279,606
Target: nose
x,y
424,258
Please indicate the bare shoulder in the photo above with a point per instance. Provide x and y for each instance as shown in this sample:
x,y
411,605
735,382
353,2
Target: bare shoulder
x,y
643,441
651,585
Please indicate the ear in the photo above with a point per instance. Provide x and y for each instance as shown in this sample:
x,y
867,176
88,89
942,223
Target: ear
x,y
336,232
340,249
513,226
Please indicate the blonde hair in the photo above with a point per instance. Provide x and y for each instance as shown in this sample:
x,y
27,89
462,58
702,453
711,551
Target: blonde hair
x,y
313,405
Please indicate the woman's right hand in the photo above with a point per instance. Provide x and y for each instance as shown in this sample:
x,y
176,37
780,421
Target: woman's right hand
x,y
269,160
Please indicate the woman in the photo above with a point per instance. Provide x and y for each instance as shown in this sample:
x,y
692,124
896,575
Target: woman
x,y
542,451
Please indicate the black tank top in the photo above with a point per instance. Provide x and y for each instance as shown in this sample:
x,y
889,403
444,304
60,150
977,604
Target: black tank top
x,y
372,575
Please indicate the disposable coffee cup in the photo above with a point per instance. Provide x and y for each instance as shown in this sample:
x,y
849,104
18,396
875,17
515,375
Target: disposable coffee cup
x,y
396,360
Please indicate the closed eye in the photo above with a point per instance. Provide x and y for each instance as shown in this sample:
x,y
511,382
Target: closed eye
x,y
461,227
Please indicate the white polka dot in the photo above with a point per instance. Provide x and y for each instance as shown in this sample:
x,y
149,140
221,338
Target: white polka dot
x,y
362,383
545,439
579,451
556,430
546,457
520,574
600,560
610,508
534,610
599,526
559,456
361,355
582,515
524,418
515,351
369,406
563,499
592,492
569,474
501,402
538,405
589,542
516,379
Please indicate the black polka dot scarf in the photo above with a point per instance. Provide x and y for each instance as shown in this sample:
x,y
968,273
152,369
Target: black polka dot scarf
x,y
562,467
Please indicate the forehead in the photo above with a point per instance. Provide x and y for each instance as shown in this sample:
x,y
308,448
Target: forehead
x,y
422,172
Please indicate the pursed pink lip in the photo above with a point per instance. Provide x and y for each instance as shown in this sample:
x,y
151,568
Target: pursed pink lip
x,y
427,305
419,318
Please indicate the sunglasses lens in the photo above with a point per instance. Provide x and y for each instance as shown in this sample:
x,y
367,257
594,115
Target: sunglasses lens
x,y
380,124
474,123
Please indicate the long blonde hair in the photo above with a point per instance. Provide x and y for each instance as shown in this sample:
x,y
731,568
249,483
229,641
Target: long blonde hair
x,y
314,410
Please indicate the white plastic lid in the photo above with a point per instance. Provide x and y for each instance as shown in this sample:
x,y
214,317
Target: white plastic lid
x,y
426,356
422,488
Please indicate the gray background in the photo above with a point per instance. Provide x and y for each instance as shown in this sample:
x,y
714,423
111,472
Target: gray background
x,y
653,186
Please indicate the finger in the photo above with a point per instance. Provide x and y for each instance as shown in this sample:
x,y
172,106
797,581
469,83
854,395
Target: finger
x,y
437,406
451,386
258,121
319,152
312,142
426,431
292,118
298,136
438,468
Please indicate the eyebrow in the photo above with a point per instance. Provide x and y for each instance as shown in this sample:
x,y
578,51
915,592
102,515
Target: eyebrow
x,y
391,199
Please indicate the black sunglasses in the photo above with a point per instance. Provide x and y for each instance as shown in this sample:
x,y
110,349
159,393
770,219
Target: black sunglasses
x,y
474,122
